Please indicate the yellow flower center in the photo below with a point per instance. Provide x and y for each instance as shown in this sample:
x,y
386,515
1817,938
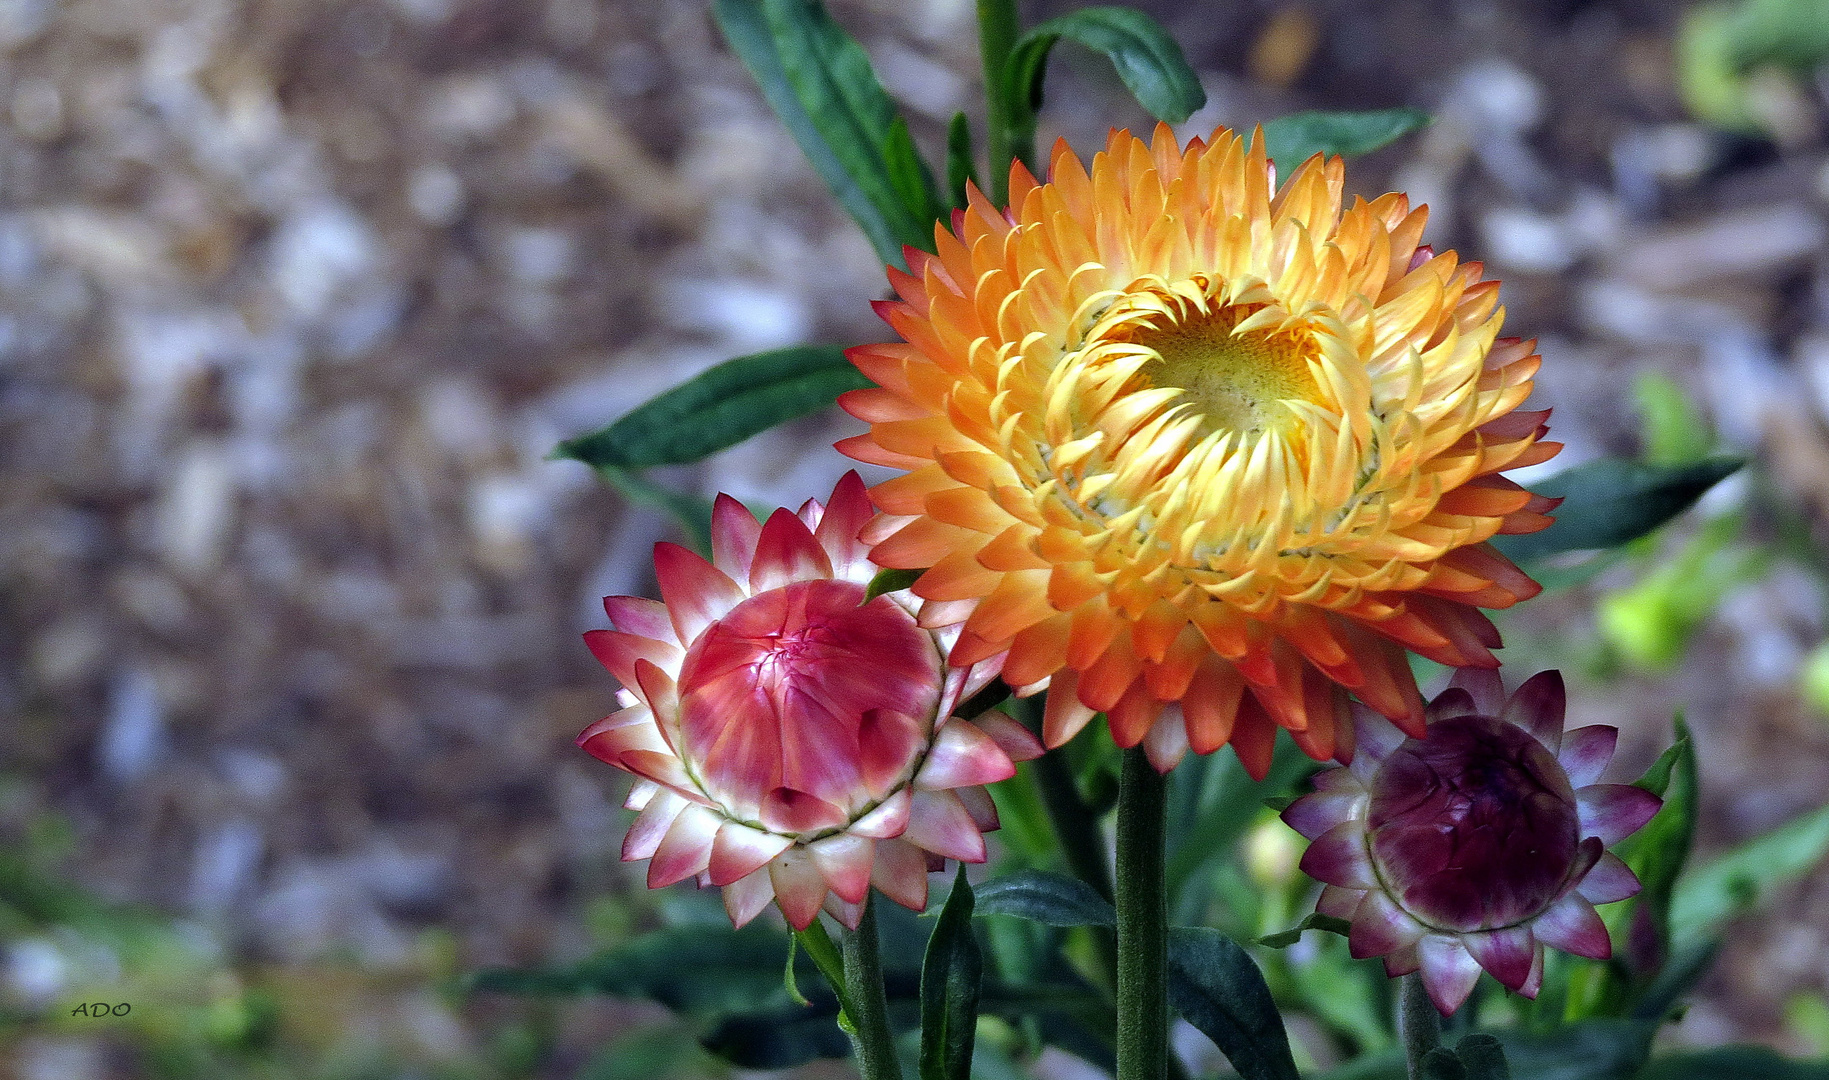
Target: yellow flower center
x,y
1236,381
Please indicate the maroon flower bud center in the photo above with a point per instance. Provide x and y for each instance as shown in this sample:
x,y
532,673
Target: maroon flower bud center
x,y
804,703
1474,827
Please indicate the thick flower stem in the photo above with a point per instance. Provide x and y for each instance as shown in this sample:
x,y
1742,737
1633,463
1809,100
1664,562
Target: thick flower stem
x,y
998,28
1142,902
866,1004
1418,1022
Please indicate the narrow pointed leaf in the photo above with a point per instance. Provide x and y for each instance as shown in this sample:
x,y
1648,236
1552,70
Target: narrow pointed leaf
x,y
1293,139
950,981
1218,988
1611,501
1740,879
1317,921
719,408
960,167
1051,899
887,581
1145,56
819,81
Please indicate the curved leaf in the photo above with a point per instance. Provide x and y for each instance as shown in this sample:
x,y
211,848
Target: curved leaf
x,y
1293,139
719,408
1611,501
1218,988
1739,879
1052,899
1145,56
950,979
819,81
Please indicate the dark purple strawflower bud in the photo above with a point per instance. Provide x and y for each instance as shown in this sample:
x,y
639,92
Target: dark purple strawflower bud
x,y
1477,845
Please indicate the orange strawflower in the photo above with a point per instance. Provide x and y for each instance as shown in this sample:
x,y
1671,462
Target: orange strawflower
x,y
1201,453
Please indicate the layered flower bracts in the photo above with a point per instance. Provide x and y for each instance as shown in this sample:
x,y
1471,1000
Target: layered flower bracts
x,y
794,741
1477,844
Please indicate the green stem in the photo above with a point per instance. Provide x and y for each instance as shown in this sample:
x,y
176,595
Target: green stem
x,y
1418,1022
998,29
1142,902
867,1005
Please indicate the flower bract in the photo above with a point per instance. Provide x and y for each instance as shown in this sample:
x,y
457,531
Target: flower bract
x,y
1199,452
1478,844
794,740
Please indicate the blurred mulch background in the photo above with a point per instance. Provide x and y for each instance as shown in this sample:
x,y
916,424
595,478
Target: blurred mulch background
x,y
296,295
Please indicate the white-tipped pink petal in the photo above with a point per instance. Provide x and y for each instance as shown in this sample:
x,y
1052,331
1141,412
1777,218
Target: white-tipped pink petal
x,y
1016,740
1614,811
1313,815
640,616
1380,926
846,515
662,767
1402,962
640,793
686,849
1610,880
697,593
938,822
660,692
887,821
1534,982
962,756
1338,857
810,513
1586,751
844,861
745,898
740,850
1572,925
652,824
799,887
616,734
900,873
1538,707
1449,971
980,806
945,615
848,915
1507,953
734,531
1166,742
620,652
785,553
1483,686
1338,902
1065,715
1374,737
787,810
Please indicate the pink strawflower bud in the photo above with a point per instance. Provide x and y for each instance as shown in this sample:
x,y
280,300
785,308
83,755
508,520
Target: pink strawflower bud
x,y
792,741
1478,844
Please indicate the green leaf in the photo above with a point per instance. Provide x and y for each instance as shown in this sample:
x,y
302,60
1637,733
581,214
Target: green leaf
x,y
950,978
1145,56
1740,879
1048,898
720,408
1291,140
1317,921
819,81
1211,802
1596,1050
960,169
909,175
1734,1063
1483,1056
887,581
1657,852
1611,501
1218,988
692,512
